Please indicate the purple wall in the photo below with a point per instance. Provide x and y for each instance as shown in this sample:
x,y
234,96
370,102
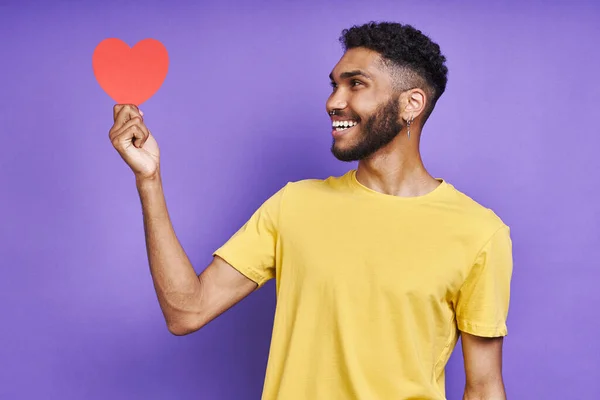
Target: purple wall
x,y
241,112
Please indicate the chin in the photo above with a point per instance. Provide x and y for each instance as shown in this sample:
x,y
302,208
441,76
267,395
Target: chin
x,y
346,154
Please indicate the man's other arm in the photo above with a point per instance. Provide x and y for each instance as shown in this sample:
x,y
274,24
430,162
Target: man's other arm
x,y
483,367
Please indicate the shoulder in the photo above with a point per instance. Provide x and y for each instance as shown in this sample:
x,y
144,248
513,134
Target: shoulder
x,y
312,194
303,190
313,186
475,215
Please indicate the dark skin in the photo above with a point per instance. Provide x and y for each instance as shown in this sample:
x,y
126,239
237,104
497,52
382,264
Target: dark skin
x,y
190,301
361,84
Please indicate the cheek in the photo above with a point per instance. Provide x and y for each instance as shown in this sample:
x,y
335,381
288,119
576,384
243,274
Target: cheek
x,y
362,110
363,103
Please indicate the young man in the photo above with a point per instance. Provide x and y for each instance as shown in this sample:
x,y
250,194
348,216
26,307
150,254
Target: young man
x,y
379,271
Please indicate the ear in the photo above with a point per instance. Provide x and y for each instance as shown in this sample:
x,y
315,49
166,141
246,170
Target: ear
x,y
413,103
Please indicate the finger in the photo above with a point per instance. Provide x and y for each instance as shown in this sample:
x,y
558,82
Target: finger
x,y
120,111
135,121
145,133
138,136
116,109
125,113
117,130
133,134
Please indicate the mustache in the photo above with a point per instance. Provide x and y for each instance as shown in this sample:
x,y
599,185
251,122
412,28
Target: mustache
x,y
345,115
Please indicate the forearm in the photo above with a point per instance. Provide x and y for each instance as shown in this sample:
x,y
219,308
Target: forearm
x,y
175,281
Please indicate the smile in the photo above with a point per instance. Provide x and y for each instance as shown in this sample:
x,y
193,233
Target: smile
x,y
339,126
342,127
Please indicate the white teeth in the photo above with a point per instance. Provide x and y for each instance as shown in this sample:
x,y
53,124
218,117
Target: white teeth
x,y
344,124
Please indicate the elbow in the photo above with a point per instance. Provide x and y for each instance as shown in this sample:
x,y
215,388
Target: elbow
x,y
183,327
179,330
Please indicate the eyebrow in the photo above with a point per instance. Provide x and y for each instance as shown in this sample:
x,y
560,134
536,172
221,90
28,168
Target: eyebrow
x,y
351,74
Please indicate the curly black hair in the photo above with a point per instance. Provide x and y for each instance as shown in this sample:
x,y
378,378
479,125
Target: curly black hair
x,y
406,47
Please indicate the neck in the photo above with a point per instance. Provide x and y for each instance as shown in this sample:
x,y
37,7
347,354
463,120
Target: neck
x,y
397,169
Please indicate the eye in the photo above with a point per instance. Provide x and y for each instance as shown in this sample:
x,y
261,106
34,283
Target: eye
x,y
355,82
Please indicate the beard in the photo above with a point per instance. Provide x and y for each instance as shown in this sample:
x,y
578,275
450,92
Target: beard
x,y
376,132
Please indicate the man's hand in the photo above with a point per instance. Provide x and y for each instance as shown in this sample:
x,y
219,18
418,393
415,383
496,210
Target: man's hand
x,y
483,367
134,142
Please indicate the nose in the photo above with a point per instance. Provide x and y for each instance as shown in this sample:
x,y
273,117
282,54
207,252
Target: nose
x,y
336,101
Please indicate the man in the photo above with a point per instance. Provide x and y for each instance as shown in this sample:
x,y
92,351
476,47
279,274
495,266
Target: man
x,y
379,271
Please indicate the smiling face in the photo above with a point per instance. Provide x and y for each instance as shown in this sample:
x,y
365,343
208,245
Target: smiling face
x,y
366,105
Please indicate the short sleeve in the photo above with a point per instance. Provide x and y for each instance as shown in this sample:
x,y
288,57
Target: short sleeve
x,y
251,250
483,300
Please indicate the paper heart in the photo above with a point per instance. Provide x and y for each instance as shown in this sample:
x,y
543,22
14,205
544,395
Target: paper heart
x,y
130,75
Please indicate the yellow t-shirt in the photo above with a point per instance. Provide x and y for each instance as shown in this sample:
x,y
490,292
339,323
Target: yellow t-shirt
x,y
372,289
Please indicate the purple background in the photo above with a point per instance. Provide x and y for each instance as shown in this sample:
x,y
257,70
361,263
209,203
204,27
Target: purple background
x,y
242,112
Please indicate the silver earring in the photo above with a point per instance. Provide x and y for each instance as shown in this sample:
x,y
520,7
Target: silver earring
x,y
408,122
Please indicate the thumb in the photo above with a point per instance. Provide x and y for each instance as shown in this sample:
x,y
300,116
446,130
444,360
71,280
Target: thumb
x,y
116,109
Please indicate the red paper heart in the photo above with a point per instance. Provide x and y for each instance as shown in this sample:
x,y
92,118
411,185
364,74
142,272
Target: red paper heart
x,y
130,75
